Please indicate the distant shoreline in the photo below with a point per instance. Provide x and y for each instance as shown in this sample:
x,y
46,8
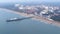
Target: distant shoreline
x,y
42,19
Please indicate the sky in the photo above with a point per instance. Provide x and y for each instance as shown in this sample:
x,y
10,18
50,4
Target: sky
x,y
29,1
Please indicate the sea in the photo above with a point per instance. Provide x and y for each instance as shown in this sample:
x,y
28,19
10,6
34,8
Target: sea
x,y
27,26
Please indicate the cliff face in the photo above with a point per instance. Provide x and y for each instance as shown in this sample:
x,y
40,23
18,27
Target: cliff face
x,y
56,18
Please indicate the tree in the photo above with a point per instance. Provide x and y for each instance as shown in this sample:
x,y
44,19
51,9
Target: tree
x,y
56,17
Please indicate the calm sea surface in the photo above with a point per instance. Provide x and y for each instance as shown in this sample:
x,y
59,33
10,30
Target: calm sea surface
x,y
27,26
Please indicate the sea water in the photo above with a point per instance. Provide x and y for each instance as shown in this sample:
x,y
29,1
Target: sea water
x,y
27,26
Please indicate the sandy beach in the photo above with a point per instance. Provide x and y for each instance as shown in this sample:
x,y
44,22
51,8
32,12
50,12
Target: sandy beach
x,y
39,18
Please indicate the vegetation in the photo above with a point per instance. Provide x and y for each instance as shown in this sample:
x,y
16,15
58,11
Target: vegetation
x,y
56,18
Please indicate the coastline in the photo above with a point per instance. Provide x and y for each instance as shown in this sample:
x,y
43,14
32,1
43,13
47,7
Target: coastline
x,y
39,18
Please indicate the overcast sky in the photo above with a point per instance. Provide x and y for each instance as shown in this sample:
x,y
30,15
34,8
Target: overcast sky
x,y
29,0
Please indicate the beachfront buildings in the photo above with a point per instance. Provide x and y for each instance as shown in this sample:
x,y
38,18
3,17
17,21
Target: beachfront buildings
x,y
39,10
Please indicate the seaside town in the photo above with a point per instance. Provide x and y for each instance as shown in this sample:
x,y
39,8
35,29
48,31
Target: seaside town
x,y
49,12
29,16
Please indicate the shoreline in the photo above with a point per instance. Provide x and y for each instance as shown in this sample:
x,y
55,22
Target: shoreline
x,y
39,18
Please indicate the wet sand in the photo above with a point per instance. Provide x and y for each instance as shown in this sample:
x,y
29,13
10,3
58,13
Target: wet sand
x,y
39,18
